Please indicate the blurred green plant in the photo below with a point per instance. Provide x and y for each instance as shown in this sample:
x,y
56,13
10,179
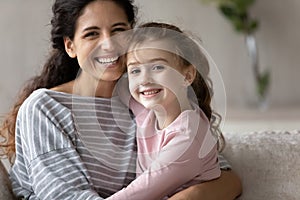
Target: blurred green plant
x,y
237,12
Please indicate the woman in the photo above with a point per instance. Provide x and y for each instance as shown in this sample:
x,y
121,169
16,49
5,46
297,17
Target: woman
x,y
51,161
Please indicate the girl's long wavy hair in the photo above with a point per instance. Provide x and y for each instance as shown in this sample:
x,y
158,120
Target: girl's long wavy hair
x,y
187,52
59,67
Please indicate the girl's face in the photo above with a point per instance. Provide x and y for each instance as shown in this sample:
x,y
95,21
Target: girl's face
x,y
156,78
99,55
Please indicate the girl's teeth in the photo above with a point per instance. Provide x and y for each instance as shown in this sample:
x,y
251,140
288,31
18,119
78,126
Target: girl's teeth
x,y
150,92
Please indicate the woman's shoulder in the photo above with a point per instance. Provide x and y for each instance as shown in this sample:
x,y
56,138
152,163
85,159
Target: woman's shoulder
x,y
40,95
36,96
41,99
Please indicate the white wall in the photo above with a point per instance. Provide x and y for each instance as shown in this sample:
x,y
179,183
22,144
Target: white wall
x,y
278,43
24,36
24,39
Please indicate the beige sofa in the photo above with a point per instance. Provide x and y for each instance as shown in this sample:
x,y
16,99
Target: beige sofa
x,y
267,162
5,186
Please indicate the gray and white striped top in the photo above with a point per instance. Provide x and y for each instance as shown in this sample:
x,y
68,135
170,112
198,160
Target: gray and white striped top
x,y
73,147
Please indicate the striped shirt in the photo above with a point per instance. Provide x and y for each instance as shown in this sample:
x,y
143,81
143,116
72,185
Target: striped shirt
x,y
73,147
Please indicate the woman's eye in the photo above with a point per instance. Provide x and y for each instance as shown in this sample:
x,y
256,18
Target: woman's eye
x,y
118,30
158,67
91,34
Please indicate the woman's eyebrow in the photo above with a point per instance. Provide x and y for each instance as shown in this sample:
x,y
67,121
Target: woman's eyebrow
x,y
91,28
97,28
120,24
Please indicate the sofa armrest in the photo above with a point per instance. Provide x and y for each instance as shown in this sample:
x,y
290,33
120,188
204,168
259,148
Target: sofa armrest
x,y
268,163
5,185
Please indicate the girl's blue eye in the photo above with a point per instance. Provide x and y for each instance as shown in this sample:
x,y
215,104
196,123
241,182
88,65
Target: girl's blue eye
x,y
135,71
158,67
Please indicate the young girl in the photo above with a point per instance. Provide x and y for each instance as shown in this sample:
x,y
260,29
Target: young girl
x,y
175,146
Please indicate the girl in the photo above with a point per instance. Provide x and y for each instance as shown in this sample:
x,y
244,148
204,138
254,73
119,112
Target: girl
x,y
175,145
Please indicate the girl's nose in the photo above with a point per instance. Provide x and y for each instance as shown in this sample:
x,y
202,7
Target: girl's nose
x,y
146,78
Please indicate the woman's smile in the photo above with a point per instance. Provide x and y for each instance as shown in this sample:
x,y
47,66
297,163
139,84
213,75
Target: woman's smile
x,y
107,62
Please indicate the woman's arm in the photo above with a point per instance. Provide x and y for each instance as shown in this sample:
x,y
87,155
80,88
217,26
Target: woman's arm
x,y
227,187
47,165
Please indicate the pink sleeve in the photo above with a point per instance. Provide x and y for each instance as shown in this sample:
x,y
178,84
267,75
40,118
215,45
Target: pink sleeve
x,y
135,106
177,163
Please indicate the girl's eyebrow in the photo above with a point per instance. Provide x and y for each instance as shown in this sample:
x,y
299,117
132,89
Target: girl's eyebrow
x,y
132,63
158,59
148,61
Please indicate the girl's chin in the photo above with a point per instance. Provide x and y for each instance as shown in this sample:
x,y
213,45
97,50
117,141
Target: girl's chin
x,y
152,106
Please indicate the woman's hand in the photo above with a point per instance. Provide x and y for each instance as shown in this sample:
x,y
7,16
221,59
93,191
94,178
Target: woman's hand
x,y
227,187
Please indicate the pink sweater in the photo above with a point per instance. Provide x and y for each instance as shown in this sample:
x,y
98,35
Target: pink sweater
x,y
171,159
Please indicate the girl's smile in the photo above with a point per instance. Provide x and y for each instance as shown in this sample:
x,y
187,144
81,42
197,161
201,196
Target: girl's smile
x,y
150,92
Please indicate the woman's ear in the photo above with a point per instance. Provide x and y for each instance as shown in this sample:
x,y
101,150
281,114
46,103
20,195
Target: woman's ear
x,y
190,74
69,47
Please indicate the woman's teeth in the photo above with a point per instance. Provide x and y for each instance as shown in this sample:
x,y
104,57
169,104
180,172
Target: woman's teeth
x,y
107,60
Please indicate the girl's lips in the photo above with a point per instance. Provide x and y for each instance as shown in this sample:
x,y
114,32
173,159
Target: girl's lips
x,y
150,92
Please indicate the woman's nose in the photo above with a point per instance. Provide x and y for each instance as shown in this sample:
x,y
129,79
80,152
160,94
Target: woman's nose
x,y
107,42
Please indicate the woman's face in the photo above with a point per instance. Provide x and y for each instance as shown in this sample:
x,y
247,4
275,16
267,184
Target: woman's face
x,y
98,53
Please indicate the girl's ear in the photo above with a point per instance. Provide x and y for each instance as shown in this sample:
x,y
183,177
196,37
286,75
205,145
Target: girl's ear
x,y
69,47
190,74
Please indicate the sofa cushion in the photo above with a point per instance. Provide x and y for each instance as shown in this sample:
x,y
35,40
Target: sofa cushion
x,y
268,163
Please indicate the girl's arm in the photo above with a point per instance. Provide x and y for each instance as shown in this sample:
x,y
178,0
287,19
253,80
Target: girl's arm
x,y
227,187
156,183
176,164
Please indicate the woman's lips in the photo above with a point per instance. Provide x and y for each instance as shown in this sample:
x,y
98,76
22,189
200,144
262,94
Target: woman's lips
x,y
107,61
